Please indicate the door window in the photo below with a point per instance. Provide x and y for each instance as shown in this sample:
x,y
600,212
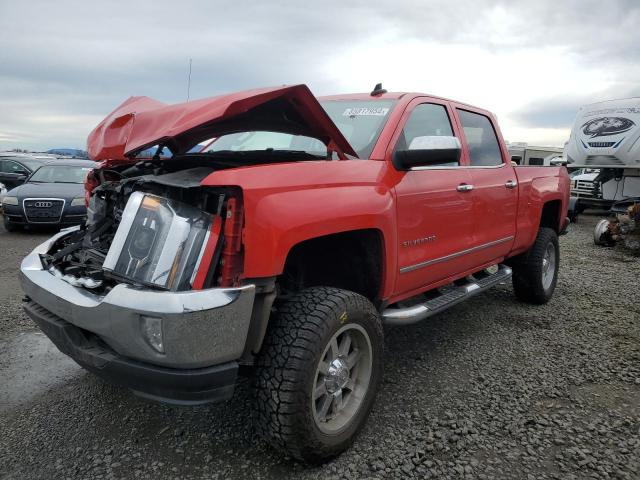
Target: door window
x,y
482,142
13,167
426,119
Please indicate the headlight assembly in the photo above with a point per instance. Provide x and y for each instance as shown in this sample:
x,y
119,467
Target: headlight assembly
x,y
77,202
10,201
158,242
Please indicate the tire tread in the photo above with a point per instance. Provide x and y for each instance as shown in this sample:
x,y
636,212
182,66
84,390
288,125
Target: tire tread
x,y
293,342
527,269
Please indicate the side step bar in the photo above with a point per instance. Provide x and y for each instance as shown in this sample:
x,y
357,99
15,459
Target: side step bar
x,y
448,296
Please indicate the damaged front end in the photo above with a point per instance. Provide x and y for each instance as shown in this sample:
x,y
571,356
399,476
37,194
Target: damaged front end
x,y
623,226
161,231
149,292
140,294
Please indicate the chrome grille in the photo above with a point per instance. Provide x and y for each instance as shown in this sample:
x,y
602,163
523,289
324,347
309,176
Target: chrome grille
x,y
43,210
583,188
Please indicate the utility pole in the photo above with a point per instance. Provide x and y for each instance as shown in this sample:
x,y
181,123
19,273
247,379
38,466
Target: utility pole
x,y
189,81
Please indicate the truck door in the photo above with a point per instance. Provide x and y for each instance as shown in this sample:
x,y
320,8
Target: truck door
x,y
434,208
495,188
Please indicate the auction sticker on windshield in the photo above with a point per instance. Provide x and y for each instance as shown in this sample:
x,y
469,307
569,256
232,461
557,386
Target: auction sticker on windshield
x,y
362,111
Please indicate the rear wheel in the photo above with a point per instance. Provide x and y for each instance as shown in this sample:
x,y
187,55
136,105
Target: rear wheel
x,y
535,273
602,235
318,372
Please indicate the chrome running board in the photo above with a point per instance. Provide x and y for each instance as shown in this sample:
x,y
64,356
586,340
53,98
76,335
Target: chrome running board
x,y
446,297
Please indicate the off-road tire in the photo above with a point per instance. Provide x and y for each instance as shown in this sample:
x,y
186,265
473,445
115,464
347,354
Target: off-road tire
x,y
528,269
284,378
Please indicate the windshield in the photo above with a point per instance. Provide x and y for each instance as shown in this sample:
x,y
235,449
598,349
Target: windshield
x,y
32,164
360,121
59,174
267,141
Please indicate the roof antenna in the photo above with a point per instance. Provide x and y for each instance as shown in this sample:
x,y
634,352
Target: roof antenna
x,y
189,81
378,90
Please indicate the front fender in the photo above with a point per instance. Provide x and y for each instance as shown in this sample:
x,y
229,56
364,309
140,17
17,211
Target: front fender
x,y
276,222
285,204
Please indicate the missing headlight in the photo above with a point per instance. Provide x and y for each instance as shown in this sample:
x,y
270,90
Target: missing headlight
x,y
158,242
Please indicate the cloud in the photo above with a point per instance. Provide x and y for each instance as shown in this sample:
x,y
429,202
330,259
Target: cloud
x,y
68,63
560,111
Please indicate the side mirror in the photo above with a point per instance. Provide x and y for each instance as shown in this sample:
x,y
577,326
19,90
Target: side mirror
x,y
428,151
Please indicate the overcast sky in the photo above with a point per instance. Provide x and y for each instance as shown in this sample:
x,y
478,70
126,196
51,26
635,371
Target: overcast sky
x,y
64,65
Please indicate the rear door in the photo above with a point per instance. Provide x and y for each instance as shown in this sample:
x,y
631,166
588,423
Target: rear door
x,y
435,221
495,187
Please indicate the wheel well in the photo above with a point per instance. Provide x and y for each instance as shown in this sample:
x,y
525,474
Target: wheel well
x,y
349,260
551,215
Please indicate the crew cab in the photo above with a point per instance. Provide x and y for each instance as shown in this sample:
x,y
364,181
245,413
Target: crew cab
x,y
280,246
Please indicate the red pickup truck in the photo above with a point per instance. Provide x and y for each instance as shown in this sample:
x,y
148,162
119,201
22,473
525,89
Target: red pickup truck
x,y
273,234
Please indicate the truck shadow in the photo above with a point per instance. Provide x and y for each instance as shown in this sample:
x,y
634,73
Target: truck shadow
x,y
121,433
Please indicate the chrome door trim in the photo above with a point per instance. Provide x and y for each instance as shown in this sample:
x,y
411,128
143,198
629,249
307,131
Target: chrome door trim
x,y
456,167
411,268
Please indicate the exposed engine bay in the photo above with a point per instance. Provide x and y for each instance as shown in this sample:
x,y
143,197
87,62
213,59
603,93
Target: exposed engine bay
x,y
151,224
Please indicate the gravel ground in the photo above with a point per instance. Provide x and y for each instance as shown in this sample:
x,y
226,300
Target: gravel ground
x,y
490,389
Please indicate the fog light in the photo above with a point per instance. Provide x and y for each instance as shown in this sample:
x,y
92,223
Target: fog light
x,y
152,332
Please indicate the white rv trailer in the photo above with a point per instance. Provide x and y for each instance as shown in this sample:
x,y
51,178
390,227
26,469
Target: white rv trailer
x,y
606,135
524,154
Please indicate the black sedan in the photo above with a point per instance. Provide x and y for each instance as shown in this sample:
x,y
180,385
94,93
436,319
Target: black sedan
x,y
52,195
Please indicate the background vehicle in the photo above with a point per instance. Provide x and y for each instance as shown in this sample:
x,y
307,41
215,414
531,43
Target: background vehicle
x,y
605,136
3,192
16,168
583,188
280,248
52,195
524,154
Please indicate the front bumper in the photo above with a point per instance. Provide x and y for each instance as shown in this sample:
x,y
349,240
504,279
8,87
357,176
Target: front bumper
x,y
200,329
168,385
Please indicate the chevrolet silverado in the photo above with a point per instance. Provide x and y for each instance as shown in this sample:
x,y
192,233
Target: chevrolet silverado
x,y
273,234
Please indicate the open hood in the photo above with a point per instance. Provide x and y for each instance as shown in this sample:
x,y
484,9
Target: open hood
x,y
142,122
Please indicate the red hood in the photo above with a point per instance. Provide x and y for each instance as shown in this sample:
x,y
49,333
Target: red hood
x,y
142,122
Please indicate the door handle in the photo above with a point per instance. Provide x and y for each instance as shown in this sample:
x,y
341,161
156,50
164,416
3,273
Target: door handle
x,y
511,184
464,187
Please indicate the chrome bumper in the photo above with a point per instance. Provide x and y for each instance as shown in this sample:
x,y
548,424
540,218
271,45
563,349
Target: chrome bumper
x,y
200,328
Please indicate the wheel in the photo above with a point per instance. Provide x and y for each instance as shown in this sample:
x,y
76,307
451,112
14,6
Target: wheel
x,y
601,234
8,226
535,272
318,372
